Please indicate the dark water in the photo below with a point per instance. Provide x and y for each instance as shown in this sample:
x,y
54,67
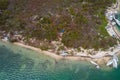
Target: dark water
x,y
17,63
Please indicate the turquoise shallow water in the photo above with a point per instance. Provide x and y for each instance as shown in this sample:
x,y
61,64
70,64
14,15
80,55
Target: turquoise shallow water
x,y
118,17
17,63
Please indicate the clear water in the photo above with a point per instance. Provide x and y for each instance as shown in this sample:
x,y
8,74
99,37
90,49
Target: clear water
x,y
17,63
118,17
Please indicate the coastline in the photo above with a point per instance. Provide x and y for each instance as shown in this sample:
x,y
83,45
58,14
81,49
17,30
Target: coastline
x,y
51,54
101,60
33,64
39,50
110,14
100,57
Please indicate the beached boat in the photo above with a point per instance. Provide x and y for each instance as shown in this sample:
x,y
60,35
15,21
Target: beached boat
x,y
109,63
94,63
113,62
115,57
117,21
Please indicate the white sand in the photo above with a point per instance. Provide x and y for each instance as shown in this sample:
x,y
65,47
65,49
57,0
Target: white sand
x,y
99,58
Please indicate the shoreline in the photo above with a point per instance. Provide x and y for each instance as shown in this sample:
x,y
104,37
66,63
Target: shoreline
x,y
96,57
48,53
111,25
101,57
100,61
39,50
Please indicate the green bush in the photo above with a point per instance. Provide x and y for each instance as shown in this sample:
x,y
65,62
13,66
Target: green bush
x,y
15,24
5,15
45,30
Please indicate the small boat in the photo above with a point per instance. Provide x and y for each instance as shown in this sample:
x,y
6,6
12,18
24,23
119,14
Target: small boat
x,y
114,63
109,63
94,63
115,57
117,21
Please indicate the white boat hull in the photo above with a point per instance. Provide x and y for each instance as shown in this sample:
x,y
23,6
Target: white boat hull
x,y
109,63
114,63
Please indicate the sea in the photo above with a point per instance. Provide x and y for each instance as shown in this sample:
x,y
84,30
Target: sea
x,y
18,63
117,16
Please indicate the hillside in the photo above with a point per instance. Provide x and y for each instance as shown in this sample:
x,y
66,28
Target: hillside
x,y
83,21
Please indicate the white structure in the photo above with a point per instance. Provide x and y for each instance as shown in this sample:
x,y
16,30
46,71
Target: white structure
x,y
94,63
109,63
82,54
115,57
113,62
5,39
110,15
117,21
64,54
113,23
110,31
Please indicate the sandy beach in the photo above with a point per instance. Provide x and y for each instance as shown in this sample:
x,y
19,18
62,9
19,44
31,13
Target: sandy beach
x,y
101,60
100,57
53,55
57,57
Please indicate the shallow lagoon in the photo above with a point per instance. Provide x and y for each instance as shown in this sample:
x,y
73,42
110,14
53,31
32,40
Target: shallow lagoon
x,y
17,63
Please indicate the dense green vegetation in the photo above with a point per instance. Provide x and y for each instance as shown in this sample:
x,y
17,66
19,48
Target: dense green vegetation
x,y
82,20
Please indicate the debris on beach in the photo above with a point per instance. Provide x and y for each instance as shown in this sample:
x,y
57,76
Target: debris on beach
x,y
64,53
